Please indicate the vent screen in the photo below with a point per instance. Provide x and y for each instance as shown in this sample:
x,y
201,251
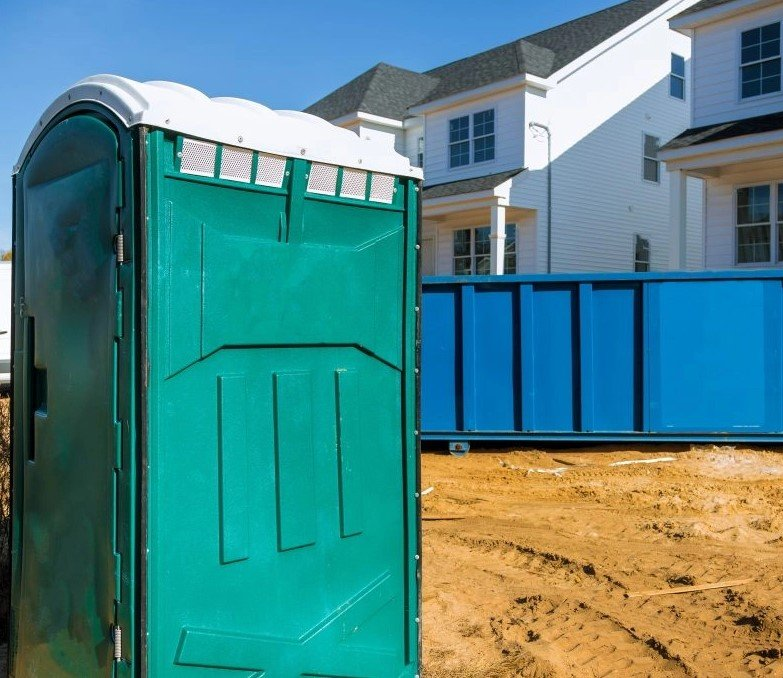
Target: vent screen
x,y
382,188
354,184
323,179
198,157
236,164
271,170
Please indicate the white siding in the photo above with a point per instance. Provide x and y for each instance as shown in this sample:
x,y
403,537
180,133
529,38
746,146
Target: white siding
x,y
598,116
720,239
716,70
509,118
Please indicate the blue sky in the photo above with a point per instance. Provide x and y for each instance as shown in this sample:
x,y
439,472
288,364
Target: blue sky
x,y
285,54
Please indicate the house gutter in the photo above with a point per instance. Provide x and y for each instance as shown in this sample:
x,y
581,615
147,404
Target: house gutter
x,y
547,131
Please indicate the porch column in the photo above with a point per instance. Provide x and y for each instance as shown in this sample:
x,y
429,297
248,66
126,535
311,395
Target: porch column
x,y
497,239
678,196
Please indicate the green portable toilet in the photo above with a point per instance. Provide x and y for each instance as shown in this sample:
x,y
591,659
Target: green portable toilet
x,y
215,467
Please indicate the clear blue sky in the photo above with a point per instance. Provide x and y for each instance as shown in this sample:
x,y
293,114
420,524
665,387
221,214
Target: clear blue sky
x,y
285,54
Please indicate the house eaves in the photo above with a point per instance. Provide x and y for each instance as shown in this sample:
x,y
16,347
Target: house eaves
x,y
710,11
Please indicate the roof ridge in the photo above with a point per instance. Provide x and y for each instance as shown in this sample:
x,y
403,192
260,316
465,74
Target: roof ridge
x,y
580,18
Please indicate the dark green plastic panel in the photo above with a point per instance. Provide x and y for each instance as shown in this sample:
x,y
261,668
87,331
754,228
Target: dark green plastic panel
x,y
282,520
72,459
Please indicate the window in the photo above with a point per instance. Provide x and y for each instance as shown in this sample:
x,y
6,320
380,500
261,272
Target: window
x,y
459,141
472,251
651,164
476,137
754,225
677,77
641,254
760,72
484,136
420,152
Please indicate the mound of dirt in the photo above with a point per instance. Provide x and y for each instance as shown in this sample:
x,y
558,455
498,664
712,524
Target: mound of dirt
x,y
526,572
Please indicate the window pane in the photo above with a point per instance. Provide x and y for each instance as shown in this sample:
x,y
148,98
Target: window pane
x,y
484,149
751,89
751,37
459,154
651,170
484,123
462,266
510,258
750,54
462,242
482,265
650,146
770,49
770,32
482,240
677,87
753,245
459,129
678,65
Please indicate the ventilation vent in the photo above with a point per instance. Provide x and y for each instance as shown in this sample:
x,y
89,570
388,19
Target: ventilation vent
x,y
382,188
271,170
198,157
236,164
354,184
323,179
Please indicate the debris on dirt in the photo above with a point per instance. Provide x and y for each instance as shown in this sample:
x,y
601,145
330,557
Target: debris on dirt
x,y
429,490
548,471
688,589
631,462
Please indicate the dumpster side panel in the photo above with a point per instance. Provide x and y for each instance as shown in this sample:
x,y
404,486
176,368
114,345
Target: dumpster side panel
x,y
280,432
604,357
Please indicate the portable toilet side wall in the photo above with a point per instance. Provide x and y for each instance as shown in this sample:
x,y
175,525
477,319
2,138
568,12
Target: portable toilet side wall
x,y
215,464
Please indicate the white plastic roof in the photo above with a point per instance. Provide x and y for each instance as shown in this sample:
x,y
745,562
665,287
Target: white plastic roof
x,y
237,122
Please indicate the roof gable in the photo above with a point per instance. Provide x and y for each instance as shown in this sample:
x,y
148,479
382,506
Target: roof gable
x,y
390,91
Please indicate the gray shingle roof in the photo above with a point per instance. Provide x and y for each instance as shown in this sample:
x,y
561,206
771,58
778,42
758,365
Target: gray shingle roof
x,y
389,91
485,183
726,130
383,90
700,6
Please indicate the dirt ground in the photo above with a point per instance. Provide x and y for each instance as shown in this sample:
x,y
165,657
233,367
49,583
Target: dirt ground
x,y
526,574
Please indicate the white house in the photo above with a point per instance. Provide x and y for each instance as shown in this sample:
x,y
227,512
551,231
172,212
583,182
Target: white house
x,y
605,90
735,142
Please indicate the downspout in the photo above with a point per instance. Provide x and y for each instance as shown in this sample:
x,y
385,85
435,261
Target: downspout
x,y
543,128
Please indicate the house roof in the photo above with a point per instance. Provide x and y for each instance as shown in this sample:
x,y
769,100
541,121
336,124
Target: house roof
x,y
383,90
390,91
701,6
725,130
485,183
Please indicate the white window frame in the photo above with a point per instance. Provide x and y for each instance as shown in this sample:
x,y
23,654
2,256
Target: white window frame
x,y
420,152
645,158
637,261
683,78
738,41
775,218
473,256
471,139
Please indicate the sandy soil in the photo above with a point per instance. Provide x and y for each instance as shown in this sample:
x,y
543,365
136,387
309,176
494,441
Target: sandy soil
x,y
525,574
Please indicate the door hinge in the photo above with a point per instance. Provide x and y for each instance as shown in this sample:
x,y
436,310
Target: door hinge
x,y
119,247
117,637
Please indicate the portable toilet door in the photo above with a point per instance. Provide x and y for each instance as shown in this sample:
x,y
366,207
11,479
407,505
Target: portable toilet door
x,y
215,454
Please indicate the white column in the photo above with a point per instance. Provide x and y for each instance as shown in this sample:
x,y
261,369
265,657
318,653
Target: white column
x,y
678,196
497,240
